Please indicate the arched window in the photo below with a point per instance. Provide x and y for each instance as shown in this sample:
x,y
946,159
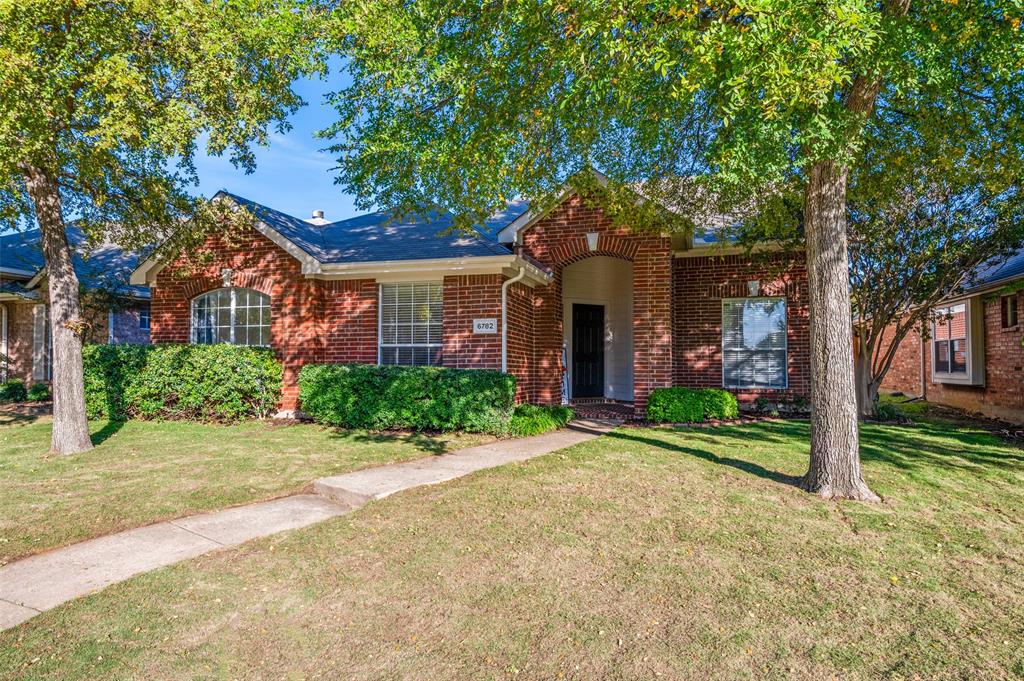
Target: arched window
x,y
231,315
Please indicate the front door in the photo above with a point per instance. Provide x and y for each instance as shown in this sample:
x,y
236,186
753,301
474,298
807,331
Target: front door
x,y
587,350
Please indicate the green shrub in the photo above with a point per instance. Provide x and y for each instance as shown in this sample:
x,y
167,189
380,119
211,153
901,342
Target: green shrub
x,y
39,392
691,405
414,398
12,390
887,411
533,419
197,382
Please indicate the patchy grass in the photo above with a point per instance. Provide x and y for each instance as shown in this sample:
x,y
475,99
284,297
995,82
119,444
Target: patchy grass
x,y
140,472
681,553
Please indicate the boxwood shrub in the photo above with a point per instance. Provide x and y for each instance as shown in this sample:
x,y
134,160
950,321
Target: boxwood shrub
x,y
196,382
38,392
12,390
413,398
691,405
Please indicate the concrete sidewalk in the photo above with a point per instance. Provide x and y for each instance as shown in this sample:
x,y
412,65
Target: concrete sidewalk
x,y
41,582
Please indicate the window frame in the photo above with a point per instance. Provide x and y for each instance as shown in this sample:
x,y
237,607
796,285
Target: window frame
x,y
381,345
952,376
193,331
785,345
144,313
1004,312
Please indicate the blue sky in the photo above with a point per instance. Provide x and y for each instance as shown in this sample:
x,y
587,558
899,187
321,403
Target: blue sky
x,y
292,174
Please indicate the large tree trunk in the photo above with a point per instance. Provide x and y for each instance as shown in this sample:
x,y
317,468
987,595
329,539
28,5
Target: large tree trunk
x,y
70,427
835,458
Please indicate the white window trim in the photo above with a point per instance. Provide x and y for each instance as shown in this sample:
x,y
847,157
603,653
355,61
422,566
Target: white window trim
x,y
380,320
785,347
145,309
193,335
974,352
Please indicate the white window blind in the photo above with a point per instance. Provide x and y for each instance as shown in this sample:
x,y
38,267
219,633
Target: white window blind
x,y
239,316
754,343
411,323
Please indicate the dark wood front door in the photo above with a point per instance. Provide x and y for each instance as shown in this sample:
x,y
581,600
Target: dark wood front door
x,y
587,350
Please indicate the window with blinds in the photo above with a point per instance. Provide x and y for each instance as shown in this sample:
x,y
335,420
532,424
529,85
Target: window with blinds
x,y
950,340
410,323
754,343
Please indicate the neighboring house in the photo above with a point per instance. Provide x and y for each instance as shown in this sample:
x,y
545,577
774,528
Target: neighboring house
x,y
119,312
633,311
970,356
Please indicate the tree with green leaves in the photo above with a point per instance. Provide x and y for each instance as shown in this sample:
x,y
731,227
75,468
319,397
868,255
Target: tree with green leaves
x,y
102,107
461,104
926,216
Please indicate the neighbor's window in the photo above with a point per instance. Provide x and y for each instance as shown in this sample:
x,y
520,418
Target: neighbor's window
x,y
410,323
239,316
1008,311
949,339
754,343
144,317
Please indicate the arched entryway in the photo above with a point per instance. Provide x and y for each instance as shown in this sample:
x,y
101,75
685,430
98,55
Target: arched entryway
x,y
597,324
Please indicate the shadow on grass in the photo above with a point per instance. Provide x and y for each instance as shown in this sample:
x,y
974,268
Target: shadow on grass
x,y
739,464
425,442
108,430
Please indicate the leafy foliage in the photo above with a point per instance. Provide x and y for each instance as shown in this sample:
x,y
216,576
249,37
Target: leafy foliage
x,y
12,390
196,382
535,419
38,392
714,106
691,405
109,100
415,398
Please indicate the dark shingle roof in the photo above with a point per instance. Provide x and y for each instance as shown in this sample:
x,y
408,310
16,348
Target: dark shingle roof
x,y
999,271
379,237
96,266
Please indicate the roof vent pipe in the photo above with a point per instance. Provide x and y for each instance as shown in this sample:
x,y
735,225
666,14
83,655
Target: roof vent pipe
x,y
317,219
318,215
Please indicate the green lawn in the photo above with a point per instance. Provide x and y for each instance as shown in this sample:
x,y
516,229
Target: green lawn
x,y
140,472
680,553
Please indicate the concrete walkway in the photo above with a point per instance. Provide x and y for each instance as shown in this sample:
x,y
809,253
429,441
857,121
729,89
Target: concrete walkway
x,y
44,581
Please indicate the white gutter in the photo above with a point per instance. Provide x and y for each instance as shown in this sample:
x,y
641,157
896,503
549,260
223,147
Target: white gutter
x,y
504,317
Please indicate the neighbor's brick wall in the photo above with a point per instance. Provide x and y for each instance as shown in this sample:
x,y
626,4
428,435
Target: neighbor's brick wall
x,y
126,325
296,303
558,240
19,340
1002,396
904,373
699,286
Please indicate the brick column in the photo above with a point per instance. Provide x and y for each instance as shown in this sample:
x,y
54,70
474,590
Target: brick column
x,y
652,319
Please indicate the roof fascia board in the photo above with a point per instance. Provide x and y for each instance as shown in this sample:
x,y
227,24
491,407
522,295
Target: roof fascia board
x,y
147,271
15,272
510,233
411,270
712,251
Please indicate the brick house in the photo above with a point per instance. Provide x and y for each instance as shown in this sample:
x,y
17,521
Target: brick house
x,y
119,312
573,306
970,356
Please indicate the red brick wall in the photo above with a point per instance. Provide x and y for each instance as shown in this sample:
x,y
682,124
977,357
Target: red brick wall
x,y
350,321
904,373
558,240
699,286
296,303
1002,396
521,349
466,298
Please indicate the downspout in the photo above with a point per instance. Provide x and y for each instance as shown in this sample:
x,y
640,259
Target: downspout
x,y
504,317
924,348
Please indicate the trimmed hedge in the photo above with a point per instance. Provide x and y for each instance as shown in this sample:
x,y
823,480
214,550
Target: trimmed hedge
x,y
533,419
12,390
195,382
691,405
413,398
